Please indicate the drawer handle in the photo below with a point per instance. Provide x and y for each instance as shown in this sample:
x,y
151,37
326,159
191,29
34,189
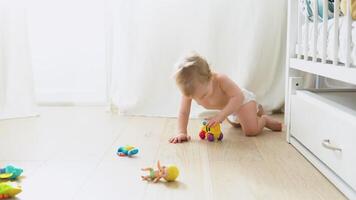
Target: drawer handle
x,y
328,145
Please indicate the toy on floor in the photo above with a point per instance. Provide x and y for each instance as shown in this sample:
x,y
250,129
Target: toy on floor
x,y
10,172
8,190
169,173
212,134
127,151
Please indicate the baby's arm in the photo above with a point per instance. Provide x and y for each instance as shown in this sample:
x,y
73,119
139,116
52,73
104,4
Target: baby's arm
x,y
183,118
235,99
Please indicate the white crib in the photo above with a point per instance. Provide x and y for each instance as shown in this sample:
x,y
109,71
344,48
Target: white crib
x,y
321,123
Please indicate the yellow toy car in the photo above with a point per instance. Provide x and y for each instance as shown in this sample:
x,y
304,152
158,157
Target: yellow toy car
x,y
212,134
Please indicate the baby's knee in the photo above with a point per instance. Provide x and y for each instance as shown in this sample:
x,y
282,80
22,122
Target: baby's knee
x,y
252,131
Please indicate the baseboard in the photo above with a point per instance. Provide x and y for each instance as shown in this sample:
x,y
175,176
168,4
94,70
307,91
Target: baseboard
x,y
18,116
70,98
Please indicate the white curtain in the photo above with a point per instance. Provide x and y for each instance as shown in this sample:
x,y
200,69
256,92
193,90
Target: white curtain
x,y
16,88
244,39
67,39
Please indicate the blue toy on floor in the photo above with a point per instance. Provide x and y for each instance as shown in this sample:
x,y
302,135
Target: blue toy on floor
x,y
127,151
10,172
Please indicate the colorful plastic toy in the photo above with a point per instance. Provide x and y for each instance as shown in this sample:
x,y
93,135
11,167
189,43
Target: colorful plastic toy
x,y
8,190
212,134
10,172
169,173
127,151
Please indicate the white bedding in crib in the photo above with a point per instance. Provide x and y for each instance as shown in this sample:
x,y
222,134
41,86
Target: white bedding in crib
x,y
330,40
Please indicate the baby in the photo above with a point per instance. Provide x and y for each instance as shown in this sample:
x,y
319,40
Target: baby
x,y
216,91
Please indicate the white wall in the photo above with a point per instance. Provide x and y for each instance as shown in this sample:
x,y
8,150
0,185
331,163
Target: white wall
x,y
67,39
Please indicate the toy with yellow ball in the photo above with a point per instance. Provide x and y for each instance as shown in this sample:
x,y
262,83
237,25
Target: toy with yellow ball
x,y
168,173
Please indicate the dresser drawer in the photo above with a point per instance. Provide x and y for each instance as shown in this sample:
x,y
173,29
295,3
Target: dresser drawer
x,y
327,127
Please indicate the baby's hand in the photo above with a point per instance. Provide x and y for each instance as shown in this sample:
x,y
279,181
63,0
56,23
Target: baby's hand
x,y
182,137
214,121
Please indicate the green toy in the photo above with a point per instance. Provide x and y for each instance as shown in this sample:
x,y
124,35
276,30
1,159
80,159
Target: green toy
x,y
9,190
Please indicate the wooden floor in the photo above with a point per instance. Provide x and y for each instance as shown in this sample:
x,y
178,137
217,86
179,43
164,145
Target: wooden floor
x,y
70,153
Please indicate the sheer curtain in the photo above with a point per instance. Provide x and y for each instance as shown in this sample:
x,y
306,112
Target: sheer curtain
x,y
67,39
16,84
244,39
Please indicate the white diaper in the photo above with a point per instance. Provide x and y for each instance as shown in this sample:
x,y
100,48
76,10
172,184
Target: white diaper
x,y
248,96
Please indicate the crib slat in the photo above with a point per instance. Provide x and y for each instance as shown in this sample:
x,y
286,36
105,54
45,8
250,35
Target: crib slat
x,y
325,27
306,38
348,33
336,31
316,30
299,34
315,33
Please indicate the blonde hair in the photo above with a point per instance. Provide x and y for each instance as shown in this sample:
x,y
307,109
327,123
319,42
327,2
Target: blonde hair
x,y
191,70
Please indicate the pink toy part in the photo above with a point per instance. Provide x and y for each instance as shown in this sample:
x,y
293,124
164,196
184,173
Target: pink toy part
x,y
121,154
202,135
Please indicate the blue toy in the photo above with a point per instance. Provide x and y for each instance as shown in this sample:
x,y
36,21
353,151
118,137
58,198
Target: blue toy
x,y
10,172
127,151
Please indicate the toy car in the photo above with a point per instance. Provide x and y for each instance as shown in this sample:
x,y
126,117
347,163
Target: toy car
x,y
210,133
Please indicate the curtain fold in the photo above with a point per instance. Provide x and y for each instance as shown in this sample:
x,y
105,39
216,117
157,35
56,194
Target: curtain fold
x,y
243,39
16,82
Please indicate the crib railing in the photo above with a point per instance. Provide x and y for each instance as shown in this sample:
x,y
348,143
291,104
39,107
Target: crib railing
x,y
304,53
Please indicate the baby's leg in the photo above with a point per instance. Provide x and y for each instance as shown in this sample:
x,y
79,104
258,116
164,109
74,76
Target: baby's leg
x,y
271,123
237,123
252,125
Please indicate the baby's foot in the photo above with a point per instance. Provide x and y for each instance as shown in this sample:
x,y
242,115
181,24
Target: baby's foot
x,y
261,111
273,124
234,124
